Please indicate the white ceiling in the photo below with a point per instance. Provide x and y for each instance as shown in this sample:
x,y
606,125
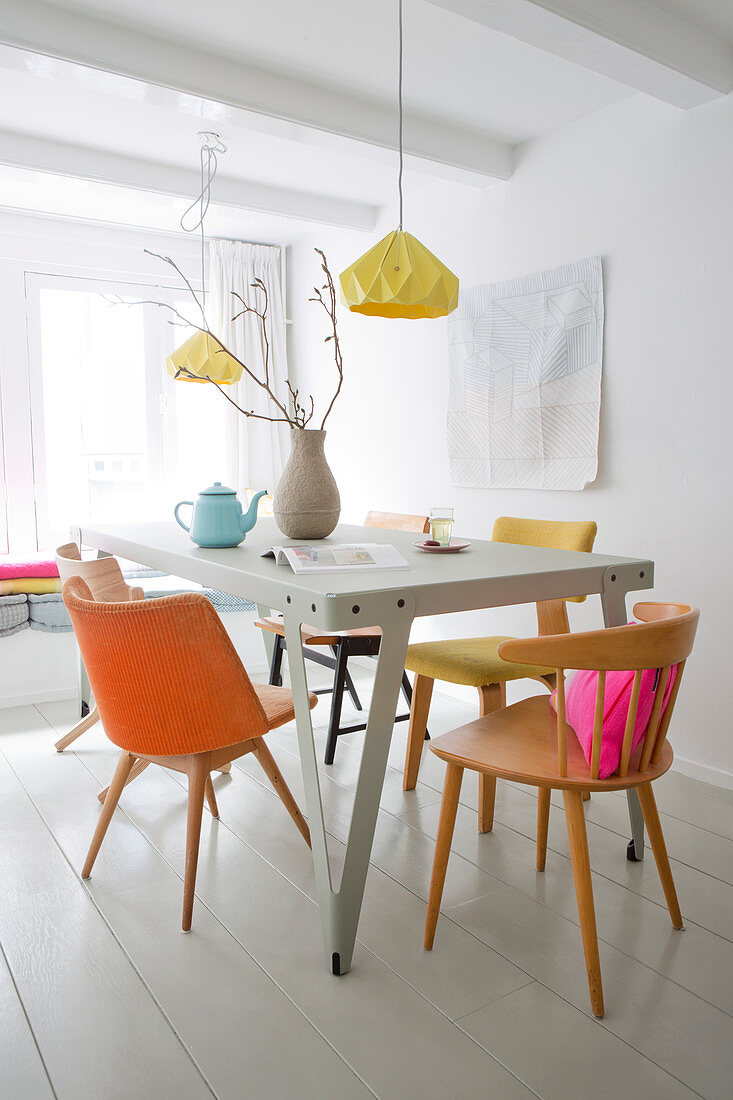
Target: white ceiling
x,y
457,72
454,69
715,17
79,106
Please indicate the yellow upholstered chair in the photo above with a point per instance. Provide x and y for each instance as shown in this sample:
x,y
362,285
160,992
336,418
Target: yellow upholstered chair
x,y
475,662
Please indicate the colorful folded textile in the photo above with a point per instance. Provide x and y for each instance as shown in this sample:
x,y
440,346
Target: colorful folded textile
x,y
29,584
48,613
13,615
29,565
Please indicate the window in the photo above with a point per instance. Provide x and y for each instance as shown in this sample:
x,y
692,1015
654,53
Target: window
x,y
114,438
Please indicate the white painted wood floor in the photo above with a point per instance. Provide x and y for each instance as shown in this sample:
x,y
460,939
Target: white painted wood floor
x,y
103,997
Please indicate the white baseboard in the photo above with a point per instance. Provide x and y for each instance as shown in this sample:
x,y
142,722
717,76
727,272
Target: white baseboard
x,y
718,777
32,697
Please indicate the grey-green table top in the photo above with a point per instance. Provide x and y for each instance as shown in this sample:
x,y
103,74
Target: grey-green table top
x,y
487,574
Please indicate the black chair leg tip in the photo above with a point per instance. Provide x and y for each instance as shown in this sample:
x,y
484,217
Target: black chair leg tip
x,y
631,853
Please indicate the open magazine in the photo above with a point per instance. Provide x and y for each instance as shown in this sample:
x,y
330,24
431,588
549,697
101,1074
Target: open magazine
x,y
339,558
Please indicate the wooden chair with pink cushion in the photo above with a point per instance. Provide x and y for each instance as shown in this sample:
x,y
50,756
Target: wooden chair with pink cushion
x,y
171,690
532,742
362,642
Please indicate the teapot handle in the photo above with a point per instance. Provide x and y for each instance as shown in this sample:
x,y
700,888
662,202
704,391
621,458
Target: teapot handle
x,y
179,521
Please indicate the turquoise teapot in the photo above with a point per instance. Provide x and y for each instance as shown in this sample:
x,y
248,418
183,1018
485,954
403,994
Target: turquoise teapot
x,y
218,519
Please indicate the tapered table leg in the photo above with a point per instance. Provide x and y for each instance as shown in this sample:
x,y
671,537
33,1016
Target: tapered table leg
x,y
613,601
340,908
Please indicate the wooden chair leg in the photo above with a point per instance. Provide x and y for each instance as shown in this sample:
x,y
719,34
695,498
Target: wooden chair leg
x,y
543,822
446,824
656,839
422,691
486,802
491,697
575,819
211,797
78,730
138,767
198,773
586,796
273,773
276,662
122,772
337,698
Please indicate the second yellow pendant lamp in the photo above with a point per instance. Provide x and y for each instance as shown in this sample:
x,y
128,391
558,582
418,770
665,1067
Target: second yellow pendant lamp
x,y
399,276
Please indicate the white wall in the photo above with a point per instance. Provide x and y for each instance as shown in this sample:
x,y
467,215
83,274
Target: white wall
x,y
651,191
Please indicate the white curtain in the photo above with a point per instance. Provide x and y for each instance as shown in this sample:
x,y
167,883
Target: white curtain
x,y
261,448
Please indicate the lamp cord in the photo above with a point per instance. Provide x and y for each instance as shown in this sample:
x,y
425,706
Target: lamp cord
x,y
211,148
399,102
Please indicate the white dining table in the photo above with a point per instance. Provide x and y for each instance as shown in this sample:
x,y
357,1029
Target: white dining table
x,y
487,574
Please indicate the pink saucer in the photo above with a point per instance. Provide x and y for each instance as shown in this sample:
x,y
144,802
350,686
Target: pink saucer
x,y
452,548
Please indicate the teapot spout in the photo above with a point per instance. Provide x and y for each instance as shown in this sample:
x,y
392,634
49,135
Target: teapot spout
x,y
249,518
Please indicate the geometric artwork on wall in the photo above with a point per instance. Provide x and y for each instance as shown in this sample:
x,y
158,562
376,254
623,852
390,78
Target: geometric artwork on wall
x,y
525,381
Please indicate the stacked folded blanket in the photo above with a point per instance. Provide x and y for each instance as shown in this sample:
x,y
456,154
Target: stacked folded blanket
x,y
13,614
36,573
30,594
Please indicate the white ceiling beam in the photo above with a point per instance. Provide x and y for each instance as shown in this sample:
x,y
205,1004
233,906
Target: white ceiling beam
x,y
441,148
631,41
42,155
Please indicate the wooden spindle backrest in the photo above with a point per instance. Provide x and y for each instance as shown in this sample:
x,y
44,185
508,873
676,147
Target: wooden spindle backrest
x,y
395,521
663,637
578,535
102,576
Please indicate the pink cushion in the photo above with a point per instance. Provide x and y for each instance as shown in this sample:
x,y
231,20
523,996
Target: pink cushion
x,y
30,565
580,708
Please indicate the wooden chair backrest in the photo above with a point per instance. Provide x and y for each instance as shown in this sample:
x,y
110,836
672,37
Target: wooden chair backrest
x,y
663,637
578,535
102,576
395,521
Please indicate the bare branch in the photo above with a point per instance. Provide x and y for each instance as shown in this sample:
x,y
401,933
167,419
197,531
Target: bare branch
x,y
330,308
176,268
301,416
186,373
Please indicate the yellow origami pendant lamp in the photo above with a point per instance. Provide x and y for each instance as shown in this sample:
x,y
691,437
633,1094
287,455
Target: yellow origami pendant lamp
x,y
399,277
202,358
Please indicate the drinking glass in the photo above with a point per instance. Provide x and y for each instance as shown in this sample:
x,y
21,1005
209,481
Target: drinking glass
x,y
441,525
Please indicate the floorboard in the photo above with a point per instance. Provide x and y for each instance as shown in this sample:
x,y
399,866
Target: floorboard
x,y
22,1068
245,1006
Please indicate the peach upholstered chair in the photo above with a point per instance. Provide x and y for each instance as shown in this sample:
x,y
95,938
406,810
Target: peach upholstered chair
x,y
531,742
171,690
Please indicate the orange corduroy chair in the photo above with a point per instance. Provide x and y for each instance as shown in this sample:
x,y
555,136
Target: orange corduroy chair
x,y
171,690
